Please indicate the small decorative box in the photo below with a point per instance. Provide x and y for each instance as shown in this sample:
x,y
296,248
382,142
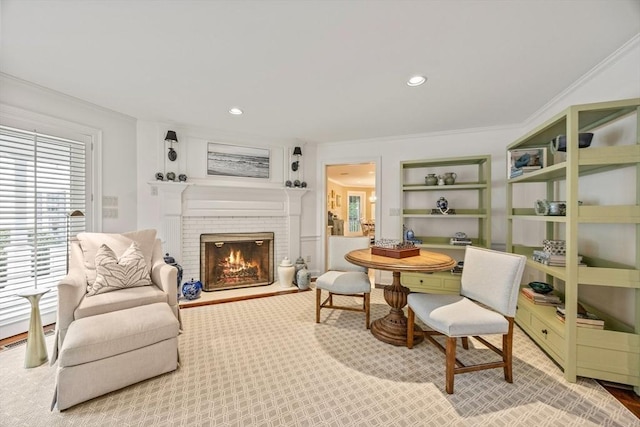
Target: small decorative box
x,y
395,253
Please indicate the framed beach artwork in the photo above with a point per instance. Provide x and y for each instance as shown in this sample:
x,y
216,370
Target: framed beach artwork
x,y
238,161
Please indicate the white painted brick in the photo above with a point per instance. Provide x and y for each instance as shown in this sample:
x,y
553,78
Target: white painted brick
x,y
193,227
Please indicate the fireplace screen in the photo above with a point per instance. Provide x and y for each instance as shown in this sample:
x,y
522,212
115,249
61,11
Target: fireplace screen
x,y
236,260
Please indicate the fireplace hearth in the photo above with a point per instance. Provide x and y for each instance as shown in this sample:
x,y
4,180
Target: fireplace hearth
x,y
236,260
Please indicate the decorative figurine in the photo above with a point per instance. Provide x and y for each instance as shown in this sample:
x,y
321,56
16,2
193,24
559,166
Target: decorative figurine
x,y
182,177
443,205
171,176
159,176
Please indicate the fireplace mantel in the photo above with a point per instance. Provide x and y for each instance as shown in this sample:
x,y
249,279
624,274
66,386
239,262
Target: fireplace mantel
x,y
202,199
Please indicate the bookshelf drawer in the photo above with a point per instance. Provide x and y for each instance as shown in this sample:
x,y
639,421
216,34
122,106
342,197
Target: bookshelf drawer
x,y
439,283
545,333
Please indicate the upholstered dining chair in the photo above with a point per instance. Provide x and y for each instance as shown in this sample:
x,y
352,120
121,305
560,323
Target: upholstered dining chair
x,y
486,306
344,278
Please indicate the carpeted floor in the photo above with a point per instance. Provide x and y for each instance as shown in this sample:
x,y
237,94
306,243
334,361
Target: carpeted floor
x,y
265,362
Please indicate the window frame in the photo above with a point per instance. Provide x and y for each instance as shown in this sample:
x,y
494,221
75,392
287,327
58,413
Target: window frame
x,y
20,119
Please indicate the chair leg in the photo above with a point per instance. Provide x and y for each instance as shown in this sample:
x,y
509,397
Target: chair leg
x,y
451,363
507,353
367,306
318,298
465,343
411,317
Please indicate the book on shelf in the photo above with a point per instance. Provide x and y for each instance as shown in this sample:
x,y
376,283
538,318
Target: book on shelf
x,y
552,260
582,324
541,299
459,242
456,270
583,317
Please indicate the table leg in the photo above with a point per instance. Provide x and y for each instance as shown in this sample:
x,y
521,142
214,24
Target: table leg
x,y
36,353
392,328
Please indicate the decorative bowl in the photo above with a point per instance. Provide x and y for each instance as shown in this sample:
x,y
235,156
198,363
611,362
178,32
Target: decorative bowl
x,y
559,143
540,287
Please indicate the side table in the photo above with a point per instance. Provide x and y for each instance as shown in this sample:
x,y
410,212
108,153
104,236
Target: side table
x,y
36,353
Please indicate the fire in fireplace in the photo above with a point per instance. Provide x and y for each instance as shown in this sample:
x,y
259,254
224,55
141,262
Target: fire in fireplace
x,y
236,260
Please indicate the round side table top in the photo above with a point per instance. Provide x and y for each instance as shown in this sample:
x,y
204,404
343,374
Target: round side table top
x,y
426,262
26,293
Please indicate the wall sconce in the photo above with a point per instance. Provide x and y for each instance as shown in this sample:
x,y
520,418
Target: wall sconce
x,y
172,137
372,198
296,152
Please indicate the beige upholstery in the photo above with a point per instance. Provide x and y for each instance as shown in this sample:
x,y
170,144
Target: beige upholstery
x,y
110,351
344,278
110,340
73,302
490,278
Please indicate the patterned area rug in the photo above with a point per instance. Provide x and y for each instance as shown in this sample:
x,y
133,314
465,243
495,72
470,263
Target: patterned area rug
x,y
265,362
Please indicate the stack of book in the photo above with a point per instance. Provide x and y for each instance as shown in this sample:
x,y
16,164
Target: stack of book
x,y
460,241
457,269
552,260
584,319
541,299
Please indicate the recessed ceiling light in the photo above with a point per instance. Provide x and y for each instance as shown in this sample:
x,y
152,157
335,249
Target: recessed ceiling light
x,y
235,111
416,80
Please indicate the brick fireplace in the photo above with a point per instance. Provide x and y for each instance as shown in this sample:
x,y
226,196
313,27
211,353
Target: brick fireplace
x,y
191,209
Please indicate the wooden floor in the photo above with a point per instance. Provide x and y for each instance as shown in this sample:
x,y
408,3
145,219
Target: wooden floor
x,y
623,393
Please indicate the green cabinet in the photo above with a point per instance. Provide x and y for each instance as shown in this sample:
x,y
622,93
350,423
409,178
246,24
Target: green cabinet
x,y
469,197
602,215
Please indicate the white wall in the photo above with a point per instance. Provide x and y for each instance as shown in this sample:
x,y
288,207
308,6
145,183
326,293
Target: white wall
x,y
117,158
192,150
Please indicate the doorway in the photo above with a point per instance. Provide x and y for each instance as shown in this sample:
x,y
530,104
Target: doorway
x,y
351,196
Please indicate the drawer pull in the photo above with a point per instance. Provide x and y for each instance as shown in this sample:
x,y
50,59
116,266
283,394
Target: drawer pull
x,y
421,280
544,331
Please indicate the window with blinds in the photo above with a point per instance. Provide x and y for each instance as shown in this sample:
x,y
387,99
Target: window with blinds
x,y
42,203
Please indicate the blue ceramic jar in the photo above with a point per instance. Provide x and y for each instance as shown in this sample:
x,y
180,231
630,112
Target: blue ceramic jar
x,y
192,289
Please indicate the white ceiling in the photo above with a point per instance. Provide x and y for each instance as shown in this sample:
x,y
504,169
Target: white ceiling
x,y
314,71
353,175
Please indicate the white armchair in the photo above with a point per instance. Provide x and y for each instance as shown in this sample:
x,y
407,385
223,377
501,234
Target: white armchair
x,y
73,302
118,319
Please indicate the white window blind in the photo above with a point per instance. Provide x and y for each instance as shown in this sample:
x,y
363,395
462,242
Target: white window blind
x,y
43,180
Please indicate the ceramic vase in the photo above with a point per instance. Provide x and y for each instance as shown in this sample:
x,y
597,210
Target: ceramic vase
x,y
450,178
303,278
192,289
286,271
300,264
431,179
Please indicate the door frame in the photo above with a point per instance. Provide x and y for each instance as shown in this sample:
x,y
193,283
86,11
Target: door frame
x,y
322,196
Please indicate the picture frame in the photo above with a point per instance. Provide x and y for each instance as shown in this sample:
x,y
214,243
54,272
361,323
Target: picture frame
x,y
238,161
521,161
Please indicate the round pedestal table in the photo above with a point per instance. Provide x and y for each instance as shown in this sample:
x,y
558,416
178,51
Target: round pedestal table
x,y
392,328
